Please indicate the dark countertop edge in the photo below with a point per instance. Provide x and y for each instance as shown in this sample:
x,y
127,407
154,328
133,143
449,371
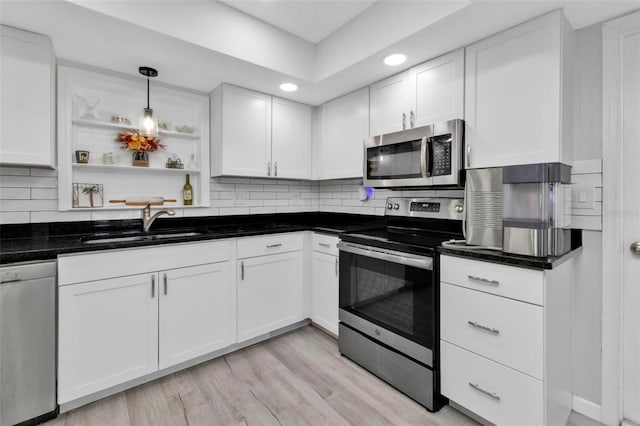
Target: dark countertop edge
x,y
333,224
499,257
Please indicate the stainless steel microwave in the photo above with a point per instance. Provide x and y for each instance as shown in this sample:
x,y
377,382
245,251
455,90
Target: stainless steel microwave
x,y
423,156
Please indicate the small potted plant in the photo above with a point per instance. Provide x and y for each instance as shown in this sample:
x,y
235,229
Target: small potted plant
x,y
140,145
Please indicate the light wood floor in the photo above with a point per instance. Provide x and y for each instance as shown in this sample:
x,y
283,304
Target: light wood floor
x,y
299,378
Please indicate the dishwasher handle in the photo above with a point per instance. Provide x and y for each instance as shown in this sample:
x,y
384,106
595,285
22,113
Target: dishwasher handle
x,y
27,271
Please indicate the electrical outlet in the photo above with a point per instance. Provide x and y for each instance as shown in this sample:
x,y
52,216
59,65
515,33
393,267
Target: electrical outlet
x,y
296,199
581,197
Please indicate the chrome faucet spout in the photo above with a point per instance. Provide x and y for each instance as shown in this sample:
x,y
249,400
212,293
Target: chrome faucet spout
x,y
147,219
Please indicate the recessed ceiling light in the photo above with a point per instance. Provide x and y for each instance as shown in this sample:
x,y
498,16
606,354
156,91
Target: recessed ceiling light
x,y
288,87
395,59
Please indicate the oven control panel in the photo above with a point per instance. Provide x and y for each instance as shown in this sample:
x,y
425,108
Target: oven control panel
x,y
424,207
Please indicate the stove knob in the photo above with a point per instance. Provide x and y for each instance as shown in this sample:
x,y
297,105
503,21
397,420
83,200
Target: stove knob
x,y
459,208
396,206
389,206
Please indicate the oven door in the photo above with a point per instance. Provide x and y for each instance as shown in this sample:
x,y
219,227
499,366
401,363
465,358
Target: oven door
x,y
389,296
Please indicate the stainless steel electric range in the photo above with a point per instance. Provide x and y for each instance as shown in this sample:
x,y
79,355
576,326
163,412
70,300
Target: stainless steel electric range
x,y
389,294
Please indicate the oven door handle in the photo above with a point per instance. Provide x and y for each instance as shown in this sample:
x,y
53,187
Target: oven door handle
x,y
421,262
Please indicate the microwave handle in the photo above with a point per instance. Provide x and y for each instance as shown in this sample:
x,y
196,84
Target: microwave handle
x,y
425,157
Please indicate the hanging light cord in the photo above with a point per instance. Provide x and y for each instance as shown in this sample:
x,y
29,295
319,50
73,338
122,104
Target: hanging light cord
x,y
148,107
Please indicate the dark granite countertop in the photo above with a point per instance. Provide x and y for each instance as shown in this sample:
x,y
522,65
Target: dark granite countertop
x,y
40,241
495,256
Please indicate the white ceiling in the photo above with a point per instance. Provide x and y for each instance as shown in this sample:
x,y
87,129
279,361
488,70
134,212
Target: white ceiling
x,y
311,20
198,44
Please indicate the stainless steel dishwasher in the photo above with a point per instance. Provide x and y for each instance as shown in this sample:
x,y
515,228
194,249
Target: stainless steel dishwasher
x,y
27,341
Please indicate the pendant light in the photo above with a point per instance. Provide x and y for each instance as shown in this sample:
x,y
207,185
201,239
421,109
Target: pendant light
x,y
148,124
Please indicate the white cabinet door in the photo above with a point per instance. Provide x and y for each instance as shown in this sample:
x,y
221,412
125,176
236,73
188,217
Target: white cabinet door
x,y
390,104
197,314
108,333
269,293
324,291
514,95
27,109
291,141
439,89
246,132
345,125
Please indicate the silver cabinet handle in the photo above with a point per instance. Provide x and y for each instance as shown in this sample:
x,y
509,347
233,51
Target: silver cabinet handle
x,y
274,245
275,168
483,280
268,168
484,391
635,248
404,121
336,266
468,155
165,284
242,270
412,119
324,245
153,286
484,327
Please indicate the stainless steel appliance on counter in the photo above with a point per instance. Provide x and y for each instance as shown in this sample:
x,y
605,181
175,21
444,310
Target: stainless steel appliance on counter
x,y
537,209
27,342
389,294
483,201
423,156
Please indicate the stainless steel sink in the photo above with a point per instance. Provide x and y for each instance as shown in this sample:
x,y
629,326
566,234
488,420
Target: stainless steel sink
x,y
130,238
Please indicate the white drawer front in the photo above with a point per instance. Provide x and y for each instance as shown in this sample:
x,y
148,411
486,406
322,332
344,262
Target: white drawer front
x,y
499,394
325,244
504,330
269,244
98,265
509,281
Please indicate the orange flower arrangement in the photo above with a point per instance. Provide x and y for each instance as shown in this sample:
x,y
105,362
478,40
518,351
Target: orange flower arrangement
x,y
137,142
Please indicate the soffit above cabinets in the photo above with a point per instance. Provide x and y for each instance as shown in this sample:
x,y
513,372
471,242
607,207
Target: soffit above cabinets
x,y
198,44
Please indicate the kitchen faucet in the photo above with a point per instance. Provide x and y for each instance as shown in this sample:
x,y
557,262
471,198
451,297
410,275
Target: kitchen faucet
x,y
147,219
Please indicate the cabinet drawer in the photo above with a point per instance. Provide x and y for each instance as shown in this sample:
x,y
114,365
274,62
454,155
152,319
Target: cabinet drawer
x,y
509,281
504,330
499,394
269,244
325,244
97,265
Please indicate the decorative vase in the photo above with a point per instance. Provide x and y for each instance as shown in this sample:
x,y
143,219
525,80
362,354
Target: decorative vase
x,y
141,158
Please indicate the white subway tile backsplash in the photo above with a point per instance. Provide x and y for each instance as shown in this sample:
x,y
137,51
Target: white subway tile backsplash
x,y
16,193
14,171
14,217
44,193
28,205
28,182
43,172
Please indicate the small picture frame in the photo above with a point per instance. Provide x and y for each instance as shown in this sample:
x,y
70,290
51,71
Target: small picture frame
x,y
87,195
82,157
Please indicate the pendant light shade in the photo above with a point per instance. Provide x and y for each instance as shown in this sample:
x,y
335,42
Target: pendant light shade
x,y
148,124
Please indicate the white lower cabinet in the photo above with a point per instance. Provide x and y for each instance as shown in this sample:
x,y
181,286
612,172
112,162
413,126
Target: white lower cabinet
x,y
269,285
114,330
506,340
324,282
196,310
108,334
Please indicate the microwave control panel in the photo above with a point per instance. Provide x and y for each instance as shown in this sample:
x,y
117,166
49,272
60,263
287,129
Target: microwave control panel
x,y
441,155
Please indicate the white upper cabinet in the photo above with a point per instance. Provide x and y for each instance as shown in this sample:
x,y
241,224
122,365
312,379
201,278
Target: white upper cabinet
x,y
422,95
390,99
518,95
27,109
343,126
291,139
241,132
439,90
258,135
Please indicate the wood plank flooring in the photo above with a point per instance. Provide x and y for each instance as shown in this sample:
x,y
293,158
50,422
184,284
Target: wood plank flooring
x,y
298,378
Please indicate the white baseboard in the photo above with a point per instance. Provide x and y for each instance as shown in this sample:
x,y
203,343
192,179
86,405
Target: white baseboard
x,y
587,408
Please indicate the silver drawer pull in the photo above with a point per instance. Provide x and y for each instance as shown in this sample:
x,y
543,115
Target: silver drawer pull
x,y
274,245
483,280
484,327
324,245
484,391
